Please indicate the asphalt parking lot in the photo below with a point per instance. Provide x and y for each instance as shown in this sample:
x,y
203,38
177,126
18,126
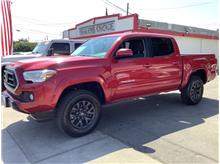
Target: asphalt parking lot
x,y
156,129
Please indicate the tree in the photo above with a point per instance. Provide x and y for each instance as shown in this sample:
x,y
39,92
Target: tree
x,y
23,46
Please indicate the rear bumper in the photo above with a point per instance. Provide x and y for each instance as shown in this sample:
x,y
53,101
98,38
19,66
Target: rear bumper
x,y
9,101
212,75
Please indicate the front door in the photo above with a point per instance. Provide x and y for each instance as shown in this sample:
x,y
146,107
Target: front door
x,y
129,73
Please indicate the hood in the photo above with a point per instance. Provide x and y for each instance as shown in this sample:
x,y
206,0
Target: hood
x,y
51,62
14,58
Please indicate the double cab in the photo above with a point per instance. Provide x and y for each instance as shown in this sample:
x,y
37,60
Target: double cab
x,y
103,70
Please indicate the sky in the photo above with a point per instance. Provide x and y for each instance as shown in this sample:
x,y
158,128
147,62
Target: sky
x,y
38,20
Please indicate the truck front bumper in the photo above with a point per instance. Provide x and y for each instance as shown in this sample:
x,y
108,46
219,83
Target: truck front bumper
x,y
9,101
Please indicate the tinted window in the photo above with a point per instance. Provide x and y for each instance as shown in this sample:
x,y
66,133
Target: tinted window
x,y
136,45
61,48
161,46
77,45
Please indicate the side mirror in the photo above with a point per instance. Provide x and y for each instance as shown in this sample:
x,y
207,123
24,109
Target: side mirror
x,y
124,52
50,52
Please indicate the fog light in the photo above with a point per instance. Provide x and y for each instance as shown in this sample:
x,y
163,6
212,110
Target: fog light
x,y
31,97
26,96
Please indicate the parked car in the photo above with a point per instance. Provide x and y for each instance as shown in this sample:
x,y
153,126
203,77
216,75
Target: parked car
x,y
54,47
104,70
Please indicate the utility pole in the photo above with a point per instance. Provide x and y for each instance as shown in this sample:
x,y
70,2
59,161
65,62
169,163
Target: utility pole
x,y
106,11
127,8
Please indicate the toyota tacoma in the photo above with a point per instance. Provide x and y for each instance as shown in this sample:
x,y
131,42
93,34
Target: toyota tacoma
x,y
106,69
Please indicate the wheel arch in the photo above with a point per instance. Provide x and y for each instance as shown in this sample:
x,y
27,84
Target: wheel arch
x,y
92,86
200,73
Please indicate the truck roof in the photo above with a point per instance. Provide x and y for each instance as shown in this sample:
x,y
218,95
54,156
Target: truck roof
x,y
139,34
72,40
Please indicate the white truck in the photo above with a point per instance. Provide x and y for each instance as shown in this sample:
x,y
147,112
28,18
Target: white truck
x,y
54,47
47,48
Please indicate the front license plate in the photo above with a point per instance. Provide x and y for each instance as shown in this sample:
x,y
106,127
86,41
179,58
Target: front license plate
x,y
5,101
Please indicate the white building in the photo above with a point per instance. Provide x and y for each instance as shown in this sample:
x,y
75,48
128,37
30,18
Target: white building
x,y
191,40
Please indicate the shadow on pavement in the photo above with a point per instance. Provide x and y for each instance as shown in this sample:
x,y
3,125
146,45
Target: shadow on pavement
x,y
134,123
138,122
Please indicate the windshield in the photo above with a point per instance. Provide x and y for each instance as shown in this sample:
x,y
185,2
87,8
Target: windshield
x,y
41,48
97,47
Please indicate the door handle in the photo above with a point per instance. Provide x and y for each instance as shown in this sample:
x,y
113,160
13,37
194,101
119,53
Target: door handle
x,y
175,63
147,65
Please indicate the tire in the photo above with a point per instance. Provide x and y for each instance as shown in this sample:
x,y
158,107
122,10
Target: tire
x,y
78,113
192,93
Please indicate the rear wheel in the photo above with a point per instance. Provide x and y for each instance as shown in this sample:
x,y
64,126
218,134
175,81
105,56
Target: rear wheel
x,y
78,113
192,93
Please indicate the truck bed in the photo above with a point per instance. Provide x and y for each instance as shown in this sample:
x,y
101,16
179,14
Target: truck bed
x,y
194,62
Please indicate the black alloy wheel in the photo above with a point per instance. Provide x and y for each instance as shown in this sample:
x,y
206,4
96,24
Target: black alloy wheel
x,y
82,114
78,113
192,93
196,90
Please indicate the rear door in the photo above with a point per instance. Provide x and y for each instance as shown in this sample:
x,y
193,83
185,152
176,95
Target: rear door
x,y
164,65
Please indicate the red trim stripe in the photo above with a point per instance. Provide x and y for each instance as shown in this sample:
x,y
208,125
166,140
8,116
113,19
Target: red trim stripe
x,y
3,34
6,28
137,28
167,32
10,27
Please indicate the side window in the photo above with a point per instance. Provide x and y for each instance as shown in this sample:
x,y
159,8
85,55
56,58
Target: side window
x,y
136,45
61,49
161,47
77,45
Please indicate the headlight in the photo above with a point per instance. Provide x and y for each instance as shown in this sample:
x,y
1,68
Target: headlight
x,y
38,76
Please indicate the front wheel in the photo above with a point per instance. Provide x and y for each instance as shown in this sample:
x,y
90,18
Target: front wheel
x,y
78,113
192,93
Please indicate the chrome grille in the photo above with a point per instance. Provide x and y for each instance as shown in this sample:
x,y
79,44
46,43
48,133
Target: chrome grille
x,y
10,78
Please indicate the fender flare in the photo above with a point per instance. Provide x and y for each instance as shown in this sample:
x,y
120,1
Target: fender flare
x,y
60,88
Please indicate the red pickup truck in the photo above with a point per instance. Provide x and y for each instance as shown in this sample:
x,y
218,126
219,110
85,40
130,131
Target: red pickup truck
x,y
101,71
